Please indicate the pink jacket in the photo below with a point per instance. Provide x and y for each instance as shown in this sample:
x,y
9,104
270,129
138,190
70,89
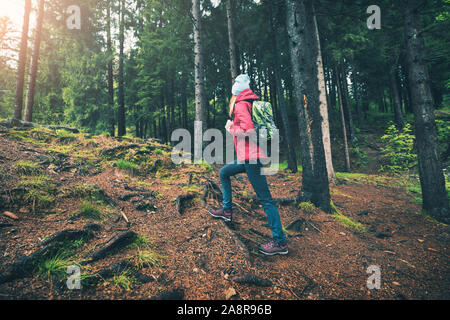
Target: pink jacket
x,y
246,148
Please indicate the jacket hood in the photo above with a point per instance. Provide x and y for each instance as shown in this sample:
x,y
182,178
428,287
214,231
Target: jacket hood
x,y
246,94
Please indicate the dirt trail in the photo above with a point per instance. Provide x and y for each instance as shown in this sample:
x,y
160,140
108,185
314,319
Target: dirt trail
x,y
197,254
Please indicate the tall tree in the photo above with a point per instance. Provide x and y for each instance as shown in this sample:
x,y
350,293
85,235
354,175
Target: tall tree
x,y
397,103
200,103
121,128
231,41
323,104
18,102
29,102
432,181
344,129
110,70
304,51
292,159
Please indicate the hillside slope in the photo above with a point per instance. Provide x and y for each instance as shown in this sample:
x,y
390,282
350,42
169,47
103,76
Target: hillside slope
x,y
90,186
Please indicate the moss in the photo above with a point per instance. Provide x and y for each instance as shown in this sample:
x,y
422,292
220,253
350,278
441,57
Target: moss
x,y
25,167
346,221
127,166
192,188
307,207
338,193
38,182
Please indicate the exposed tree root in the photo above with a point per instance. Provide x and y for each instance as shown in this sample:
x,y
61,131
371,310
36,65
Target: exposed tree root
x,y
181,199
117,242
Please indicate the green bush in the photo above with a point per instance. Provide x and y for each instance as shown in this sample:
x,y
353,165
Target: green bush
x,y
398,149
443,131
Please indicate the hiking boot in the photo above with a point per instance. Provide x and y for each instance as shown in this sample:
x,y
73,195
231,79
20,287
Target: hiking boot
x,y
222,213
273,247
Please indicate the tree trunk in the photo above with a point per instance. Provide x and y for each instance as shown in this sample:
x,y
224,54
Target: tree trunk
x,y
112,120
344,129
323,106
292,159
397,103
347,105
34,64
231,40
18,102
304,54
121,94
432,181
200,103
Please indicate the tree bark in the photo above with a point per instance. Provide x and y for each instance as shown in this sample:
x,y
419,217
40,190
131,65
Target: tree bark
x,y
292,159
323,106
344,129
304,54
347,105
200,103
232,42
121,127
432,181
397,103
112,120
18,102
28,116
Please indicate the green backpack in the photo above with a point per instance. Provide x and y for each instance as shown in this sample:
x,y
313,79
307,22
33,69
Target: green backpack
x,y
262,116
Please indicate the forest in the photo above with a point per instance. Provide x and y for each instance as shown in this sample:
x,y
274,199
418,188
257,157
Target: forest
x,y
94,92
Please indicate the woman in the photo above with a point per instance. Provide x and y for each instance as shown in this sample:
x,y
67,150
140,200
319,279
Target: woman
x,y
248,155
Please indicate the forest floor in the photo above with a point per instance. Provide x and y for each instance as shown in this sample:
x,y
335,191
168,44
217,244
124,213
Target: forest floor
x,y
57,180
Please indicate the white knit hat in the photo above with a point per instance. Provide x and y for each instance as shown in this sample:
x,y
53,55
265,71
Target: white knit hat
x,y
241,83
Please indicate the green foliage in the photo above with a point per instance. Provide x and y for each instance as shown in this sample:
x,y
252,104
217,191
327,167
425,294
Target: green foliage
x,y
55,267
26,167
141,242
148,258
359,156
443,131
90,210
307,207
398,149
124,280
127,166
347,221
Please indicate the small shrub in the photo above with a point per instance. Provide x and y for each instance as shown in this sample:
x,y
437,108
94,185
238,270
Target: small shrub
x,y
54,267
148,258
124,280
398,149
90,211
141,242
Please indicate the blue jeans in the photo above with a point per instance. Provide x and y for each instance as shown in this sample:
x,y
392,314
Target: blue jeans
x,y
259,184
